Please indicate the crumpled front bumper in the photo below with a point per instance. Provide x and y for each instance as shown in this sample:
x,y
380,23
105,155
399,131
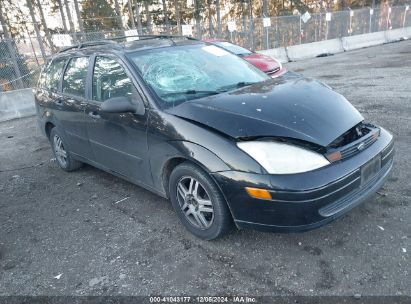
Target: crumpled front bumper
x,y
307,200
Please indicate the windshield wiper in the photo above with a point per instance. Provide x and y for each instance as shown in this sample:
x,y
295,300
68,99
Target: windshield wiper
x,y
192,92
209,92
236,85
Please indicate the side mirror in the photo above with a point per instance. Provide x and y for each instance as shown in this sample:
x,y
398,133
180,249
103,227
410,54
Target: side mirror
x,y
121,105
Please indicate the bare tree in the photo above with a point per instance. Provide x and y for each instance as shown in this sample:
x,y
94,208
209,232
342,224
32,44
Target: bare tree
x,y
118,13
177,10
10,48
72,28
44,25
217,7
166,20
210,18
251,24
138,17
36,28
197,17
63,17
131,14
148,16
80,21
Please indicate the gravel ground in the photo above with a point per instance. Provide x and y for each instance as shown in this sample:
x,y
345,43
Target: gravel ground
x,y
67,234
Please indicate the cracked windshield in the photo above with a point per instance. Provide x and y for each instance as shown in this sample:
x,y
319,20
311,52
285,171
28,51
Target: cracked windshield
x,y
183,73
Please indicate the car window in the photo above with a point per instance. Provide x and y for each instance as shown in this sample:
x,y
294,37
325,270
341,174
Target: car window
x,y
74,80
181,73
236,49
54,73
50,77
110,80
44,75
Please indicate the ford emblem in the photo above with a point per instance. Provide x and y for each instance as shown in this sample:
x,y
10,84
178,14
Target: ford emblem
x,y
361,146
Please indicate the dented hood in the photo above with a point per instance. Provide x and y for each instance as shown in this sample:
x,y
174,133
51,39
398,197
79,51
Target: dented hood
x,y
293,107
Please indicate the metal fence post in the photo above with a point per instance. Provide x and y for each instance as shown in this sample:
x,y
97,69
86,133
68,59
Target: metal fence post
x,y
370,22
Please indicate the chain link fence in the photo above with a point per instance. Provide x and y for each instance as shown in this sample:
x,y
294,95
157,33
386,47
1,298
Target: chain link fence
x,y
22,58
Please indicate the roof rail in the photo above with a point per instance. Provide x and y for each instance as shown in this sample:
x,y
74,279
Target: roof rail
x,y
145,37
110,41
86,44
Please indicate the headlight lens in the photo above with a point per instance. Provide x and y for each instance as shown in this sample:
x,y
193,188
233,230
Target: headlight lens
x,y
281,158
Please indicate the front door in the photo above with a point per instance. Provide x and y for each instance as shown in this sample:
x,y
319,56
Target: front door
x,y
70,106
118,140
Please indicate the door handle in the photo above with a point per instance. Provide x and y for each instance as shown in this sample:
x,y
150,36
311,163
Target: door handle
x,y
94,115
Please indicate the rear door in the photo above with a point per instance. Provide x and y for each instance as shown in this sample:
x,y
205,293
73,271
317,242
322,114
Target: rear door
x,y
72,104
48,89
118,140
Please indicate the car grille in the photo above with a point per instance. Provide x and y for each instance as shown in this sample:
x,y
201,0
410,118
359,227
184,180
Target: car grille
x,y
355,146
354,149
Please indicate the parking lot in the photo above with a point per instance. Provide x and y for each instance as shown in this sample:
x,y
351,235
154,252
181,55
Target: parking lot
x,y
90,233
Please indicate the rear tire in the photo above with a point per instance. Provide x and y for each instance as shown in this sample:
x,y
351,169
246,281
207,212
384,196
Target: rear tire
x,y
198,202
61,152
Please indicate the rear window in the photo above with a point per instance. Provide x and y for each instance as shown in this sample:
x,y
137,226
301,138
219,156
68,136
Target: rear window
x,y
44,75
50,78
74,80
236,49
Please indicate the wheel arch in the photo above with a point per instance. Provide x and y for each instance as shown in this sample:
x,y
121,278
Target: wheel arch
x,y
47,128
200,169
195,154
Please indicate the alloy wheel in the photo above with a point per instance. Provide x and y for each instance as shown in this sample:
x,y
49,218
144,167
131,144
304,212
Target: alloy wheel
x,y
60,152
195,202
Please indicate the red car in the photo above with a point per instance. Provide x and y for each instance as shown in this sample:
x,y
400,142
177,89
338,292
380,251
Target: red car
x,y
265,63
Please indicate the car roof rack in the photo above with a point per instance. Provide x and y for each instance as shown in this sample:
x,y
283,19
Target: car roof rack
x,y
112,41
146,37
86,44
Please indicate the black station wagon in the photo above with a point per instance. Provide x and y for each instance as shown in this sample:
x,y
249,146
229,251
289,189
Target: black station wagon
x,y
227,144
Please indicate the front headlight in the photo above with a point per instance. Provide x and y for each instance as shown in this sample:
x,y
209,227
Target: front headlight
x,y
281,158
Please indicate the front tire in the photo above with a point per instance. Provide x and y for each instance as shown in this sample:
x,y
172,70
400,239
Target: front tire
x,y
198,202
62,153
